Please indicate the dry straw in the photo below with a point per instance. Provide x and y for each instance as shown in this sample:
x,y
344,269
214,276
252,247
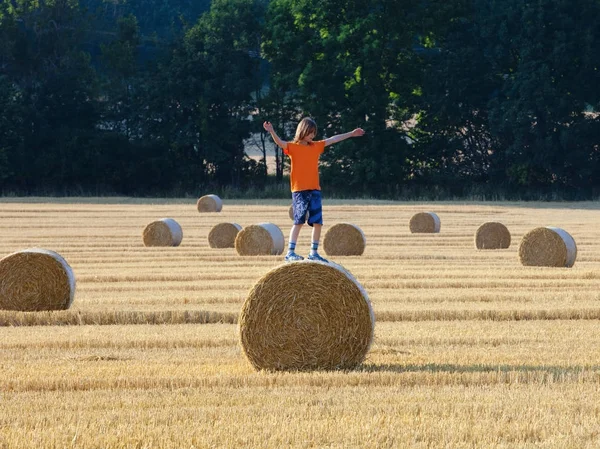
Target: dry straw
x,y
548,247
260,240
425,222
163,232
223,235
306,316
34,280
492,235
209,203
344,239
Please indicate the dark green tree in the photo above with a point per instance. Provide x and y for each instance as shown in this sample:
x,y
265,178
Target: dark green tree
x,y
547,55
349,64
162,20
57,90
121,70
452,135
286,46
508,95
11,126
199,102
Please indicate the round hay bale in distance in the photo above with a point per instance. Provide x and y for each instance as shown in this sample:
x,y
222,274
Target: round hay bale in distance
x,y
492,235
305,316
36,279
425,222
223,235
209,203
344,239
163,232
548,247
263,239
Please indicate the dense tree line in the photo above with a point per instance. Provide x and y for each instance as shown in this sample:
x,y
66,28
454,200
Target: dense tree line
x,y
162,96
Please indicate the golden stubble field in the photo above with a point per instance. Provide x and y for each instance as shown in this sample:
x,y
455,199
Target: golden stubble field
x,y
471,349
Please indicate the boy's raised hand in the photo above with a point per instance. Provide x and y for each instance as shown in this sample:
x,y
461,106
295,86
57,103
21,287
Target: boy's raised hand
x,y
358,132
268,127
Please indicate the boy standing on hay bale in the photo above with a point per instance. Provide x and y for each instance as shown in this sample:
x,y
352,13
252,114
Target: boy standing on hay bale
x,y
304,179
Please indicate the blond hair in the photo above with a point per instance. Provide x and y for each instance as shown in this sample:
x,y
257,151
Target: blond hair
x,y
305,127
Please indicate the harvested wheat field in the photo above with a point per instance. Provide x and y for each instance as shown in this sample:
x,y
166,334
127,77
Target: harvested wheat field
x,y
471,349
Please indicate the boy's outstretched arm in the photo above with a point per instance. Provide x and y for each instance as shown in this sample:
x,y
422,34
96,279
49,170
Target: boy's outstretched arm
x,y
335,139
269,128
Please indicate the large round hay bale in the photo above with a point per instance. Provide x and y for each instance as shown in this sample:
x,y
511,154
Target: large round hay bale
x,y
548,247
36,279
344,239
306,316
260,239
425,222
209,203
163,232
223,235
492,235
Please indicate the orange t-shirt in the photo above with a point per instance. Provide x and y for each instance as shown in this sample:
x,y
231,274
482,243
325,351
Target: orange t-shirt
x,y
304,172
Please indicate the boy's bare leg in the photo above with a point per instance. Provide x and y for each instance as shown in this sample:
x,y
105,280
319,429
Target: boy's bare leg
x,y
295,232
316,233
291,255
316,236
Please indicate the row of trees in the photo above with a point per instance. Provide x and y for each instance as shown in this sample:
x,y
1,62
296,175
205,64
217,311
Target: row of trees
x,y
161,97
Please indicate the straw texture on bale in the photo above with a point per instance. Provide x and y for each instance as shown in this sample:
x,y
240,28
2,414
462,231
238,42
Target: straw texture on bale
x,y
306,316
223,235
344,239
35,280
492,235
163,232
548,247
425,222
263,239
209,203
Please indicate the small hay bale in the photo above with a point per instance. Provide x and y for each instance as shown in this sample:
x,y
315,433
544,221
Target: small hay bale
x,y
492,235
344,239
209,203
223,235
306,316
34,280
163,232
263,239
425,222
548,247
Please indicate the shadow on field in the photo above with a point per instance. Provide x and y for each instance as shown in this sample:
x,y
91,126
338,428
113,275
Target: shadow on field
x,y
452,368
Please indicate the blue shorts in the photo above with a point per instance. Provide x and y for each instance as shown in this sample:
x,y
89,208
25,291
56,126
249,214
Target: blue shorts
x,y
307,203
